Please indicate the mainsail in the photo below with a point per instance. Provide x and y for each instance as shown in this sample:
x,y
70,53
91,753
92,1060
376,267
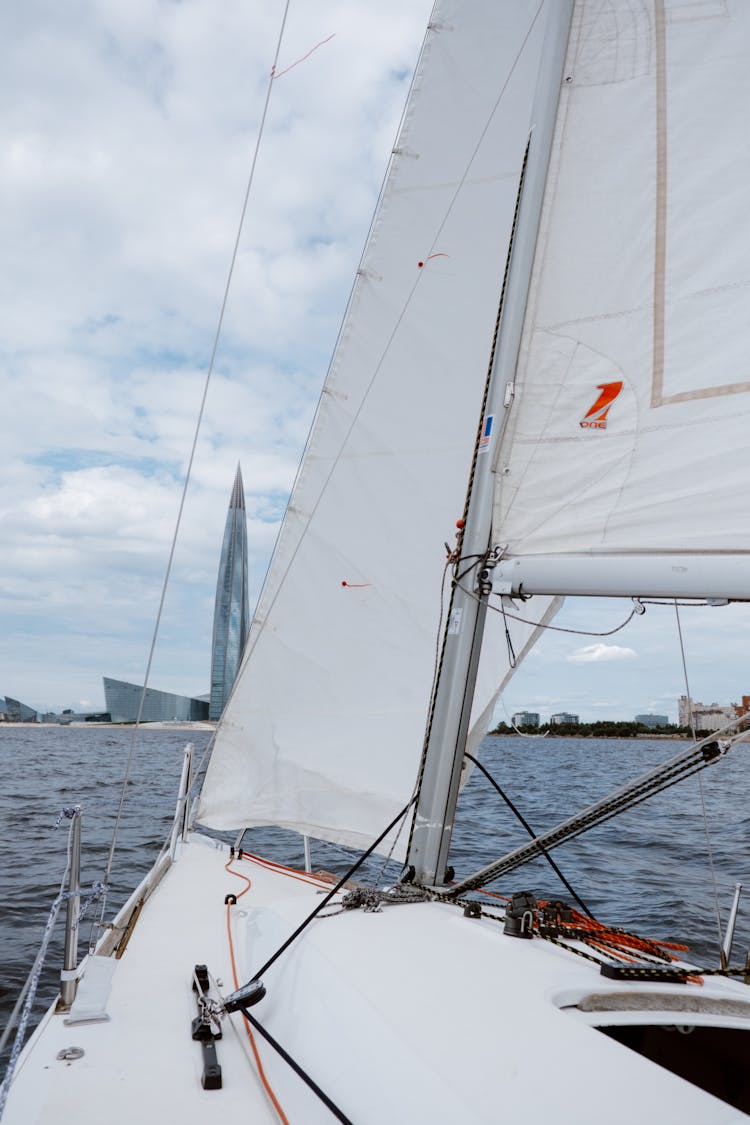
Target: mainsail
x,y
324,730
628,438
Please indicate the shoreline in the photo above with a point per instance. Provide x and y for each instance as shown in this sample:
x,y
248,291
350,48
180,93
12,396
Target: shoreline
x,y
188,724
587,734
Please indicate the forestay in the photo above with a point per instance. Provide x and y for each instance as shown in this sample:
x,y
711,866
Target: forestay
x,y
629,433
325,727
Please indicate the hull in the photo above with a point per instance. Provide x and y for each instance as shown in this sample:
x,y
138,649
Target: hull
x,y
413,1013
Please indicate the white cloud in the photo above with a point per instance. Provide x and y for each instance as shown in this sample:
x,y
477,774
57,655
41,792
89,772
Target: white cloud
x,y
600,652
125,151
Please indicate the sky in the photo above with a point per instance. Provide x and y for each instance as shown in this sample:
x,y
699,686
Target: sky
x,y
126,138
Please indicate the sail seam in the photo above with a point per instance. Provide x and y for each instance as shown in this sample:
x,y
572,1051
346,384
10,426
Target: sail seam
x,y
660,233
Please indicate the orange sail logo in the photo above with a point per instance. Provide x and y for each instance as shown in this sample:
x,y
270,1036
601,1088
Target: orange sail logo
x,y
596,419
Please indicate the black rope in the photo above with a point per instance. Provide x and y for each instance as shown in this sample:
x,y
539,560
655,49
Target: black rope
x,y
652,970
458,578
508,640
337,1113
555,628
516,812
327,898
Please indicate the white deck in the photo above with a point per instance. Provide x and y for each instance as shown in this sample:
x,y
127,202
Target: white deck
x,y
414,1014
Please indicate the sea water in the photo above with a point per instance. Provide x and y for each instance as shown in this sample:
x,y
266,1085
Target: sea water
x,y
651,870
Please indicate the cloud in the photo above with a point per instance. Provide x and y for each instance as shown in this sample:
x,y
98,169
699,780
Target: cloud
x,y
126,149
590,654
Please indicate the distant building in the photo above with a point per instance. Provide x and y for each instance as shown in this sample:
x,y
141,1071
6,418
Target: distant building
x,y
69,716
123,700
703,716
231,616
563,717
650,720
18,712
526,719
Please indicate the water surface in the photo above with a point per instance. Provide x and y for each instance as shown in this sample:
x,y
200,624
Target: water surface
x,y
647,870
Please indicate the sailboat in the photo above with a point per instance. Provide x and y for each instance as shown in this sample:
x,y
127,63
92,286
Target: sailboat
x,y
540,389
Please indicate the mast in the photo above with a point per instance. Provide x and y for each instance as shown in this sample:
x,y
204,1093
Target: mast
x,y
451,710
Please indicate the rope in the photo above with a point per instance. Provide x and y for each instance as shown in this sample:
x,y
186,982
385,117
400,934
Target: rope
x,y
261,1072
270,865
188,472
531,833
26,998
512,662
334,891
711,867
251,1022
29,991
655,955
298,1070
556,628
676,769
373,899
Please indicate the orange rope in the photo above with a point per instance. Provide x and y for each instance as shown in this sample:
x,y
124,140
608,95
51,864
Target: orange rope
x,y
616,943
609,940
493,894
282,870
625,940
267,1085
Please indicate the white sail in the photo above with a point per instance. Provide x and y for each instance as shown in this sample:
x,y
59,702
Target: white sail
x,y
325,727
629,429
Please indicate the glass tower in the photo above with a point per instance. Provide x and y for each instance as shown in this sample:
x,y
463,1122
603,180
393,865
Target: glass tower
x,y
231,619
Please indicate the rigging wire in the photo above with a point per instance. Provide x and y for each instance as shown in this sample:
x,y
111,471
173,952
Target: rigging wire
x,y
27,995
334,891
517,813
711,867
191,458
676,769
563,628
502,608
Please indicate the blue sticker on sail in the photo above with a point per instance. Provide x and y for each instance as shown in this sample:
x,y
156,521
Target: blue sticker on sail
x,y
484,441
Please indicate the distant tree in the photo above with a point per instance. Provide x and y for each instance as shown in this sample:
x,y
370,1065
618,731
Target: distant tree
x,y
601,728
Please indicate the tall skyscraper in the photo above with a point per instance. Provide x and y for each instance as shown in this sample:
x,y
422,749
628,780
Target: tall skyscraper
x,y
231,618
